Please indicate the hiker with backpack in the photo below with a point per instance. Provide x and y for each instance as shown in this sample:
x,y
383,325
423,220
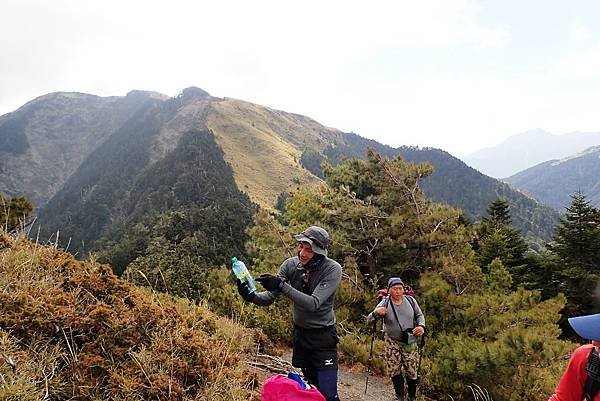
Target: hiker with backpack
x,y
310,280
581,379
403,322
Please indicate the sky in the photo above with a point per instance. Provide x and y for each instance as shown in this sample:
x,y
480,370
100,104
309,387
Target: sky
x,y
452,74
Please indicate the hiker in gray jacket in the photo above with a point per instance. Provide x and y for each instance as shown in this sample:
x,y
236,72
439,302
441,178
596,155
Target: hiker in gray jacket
x,y
310,280
403,321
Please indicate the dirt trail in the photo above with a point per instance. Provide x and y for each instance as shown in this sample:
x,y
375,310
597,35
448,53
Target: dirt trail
x,y
351,386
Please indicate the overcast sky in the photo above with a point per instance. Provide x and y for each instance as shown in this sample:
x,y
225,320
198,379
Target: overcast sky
x,y
457,75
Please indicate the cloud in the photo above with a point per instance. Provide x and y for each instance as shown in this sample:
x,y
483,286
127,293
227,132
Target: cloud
x,y
278,53
399,71
580,65
184,31
578,32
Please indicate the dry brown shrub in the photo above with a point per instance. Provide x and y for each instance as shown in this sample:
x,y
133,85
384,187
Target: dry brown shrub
x,y
73,330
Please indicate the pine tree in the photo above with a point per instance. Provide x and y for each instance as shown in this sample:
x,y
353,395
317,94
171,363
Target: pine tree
x,y
498,213
577,238
504,341
271,243
378,214
499,278
577,245
499,239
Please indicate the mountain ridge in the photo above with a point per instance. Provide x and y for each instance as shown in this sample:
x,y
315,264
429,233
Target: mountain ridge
x,y
553,181
527,149
269,152
46,140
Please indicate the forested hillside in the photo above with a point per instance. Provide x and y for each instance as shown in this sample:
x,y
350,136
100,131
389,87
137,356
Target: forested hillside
x,y
185,203
452,182
554,181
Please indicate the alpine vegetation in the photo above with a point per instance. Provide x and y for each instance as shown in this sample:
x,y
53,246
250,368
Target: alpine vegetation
x,y
73,330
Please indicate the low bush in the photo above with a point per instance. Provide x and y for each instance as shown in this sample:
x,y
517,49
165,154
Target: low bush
x,y
73,330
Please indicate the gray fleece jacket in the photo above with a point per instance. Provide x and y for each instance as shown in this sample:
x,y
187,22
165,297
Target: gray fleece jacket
x,y
314,308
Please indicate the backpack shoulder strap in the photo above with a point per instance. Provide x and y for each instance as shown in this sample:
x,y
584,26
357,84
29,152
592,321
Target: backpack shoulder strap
x,y
592,383
395,314
411,301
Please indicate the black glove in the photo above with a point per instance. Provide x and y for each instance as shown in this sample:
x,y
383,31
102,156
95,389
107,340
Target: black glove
x,y
244,291
270,282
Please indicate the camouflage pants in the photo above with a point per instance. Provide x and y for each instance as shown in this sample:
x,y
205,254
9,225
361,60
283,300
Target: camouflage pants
x,y
401,358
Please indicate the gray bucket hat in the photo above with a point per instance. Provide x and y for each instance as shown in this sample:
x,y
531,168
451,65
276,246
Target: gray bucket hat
x,y
317,237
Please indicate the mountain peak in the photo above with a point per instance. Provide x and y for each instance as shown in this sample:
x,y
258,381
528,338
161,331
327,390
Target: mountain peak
x,y
136,94
529,136
193,93
52,96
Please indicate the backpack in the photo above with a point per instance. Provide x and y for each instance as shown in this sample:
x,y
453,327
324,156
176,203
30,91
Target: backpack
x,y
284,388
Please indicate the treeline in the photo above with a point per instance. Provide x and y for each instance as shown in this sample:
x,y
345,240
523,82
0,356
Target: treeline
x,y
89,202
185,216
568,264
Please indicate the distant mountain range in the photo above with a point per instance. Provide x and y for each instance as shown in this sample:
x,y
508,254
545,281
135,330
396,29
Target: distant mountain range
x,y
553,182
521,151
110,174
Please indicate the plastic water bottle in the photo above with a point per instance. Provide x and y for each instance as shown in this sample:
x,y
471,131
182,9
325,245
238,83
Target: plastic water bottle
x,y
241,272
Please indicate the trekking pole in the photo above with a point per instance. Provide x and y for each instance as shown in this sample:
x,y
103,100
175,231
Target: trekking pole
x,y
421,347
370,354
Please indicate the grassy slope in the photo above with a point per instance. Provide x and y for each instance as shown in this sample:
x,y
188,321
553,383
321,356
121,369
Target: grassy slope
x,y
252,138
73,330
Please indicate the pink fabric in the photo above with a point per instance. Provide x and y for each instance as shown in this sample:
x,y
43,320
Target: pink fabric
x,y
282,388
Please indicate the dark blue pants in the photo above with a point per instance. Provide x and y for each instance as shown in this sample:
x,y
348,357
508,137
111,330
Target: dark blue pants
x,y
324,380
